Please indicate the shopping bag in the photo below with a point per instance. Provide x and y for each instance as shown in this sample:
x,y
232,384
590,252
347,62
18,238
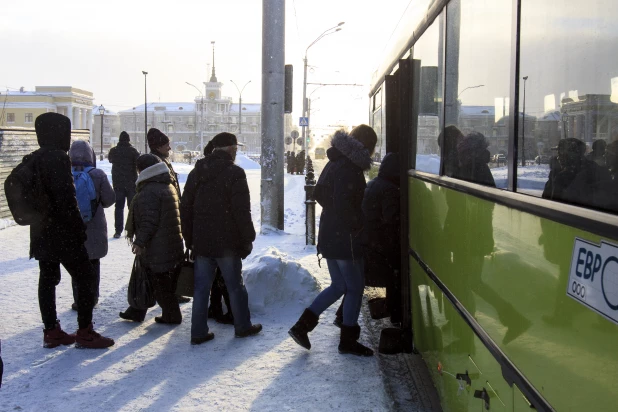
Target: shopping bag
x,y
140,294
184,286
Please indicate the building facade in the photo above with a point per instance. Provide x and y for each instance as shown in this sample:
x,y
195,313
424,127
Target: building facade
x,y
20,108
191,125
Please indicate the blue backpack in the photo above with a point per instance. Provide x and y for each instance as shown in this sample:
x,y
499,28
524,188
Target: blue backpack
x,y
85,193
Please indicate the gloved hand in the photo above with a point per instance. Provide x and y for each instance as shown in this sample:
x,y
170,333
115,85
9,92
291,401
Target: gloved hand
x,y
245,250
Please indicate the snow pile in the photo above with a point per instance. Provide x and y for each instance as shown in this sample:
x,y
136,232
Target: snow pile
x,y
4,223
246,163
273,278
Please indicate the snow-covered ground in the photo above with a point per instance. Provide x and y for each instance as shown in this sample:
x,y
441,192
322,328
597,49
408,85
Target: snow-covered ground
x,y
153,367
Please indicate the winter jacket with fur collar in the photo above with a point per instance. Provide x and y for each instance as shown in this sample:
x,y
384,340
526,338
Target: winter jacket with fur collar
x,y
339,191
156,219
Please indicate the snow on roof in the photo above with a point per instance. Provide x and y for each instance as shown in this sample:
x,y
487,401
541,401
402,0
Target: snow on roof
x,y
247,108
477,110
163,106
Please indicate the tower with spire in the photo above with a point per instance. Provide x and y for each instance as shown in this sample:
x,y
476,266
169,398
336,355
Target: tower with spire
x,y
213,87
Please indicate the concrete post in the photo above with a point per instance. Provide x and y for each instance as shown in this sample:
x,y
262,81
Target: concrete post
x,y
273,90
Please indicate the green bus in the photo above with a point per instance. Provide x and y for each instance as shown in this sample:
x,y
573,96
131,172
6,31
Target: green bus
x,y
510,276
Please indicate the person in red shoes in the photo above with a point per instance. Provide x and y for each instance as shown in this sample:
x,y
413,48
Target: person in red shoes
x,y
59,236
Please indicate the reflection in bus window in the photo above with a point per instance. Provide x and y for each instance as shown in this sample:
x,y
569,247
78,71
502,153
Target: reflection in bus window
x,y
477,85
428,49
568,102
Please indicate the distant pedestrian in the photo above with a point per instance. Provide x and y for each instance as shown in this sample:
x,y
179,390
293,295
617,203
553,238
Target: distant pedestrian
x,y
124,174
83,159
153,228
59,237
340,191
300,163
217,226
159,145
292,163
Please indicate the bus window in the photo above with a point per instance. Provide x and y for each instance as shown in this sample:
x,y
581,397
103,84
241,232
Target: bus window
x,y
476,93
568,102
428,49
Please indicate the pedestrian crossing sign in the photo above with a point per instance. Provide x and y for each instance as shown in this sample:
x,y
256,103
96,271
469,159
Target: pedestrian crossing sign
x,y
304,121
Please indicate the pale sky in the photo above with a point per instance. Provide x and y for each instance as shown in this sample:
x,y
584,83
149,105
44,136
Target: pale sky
x,y
104,46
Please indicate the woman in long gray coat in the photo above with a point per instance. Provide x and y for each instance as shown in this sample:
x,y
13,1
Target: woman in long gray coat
x,y
82,156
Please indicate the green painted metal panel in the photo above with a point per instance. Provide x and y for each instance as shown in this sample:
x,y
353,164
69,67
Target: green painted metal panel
x,y
510,270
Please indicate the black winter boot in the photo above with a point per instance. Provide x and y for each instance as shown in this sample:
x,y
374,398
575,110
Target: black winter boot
x,y
306,323
349,342
339,316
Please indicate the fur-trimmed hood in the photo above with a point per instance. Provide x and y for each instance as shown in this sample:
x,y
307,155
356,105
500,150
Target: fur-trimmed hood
x,y
344,144
152,171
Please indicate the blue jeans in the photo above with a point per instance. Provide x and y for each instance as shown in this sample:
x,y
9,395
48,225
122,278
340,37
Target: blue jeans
x,y
347,278
121,195
204,275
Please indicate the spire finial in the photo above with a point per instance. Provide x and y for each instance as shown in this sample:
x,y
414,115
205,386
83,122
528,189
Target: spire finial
x,y
213,78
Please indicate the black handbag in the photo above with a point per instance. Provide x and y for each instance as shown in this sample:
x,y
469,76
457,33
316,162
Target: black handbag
x,y
185,286
140,294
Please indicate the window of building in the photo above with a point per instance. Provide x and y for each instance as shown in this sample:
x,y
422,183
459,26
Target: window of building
x,y
29,118
10,117
429,50
568,102
476,94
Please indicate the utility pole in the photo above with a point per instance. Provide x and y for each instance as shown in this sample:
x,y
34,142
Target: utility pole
x,y
273,91
145,115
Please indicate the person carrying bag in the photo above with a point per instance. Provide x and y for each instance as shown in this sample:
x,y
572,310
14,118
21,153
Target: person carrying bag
x,y
153,230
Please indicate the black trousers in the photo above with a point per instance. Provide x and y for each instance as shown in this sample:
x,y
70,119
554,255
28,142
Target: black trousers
x,y
78,265
121,196
164,285
96,281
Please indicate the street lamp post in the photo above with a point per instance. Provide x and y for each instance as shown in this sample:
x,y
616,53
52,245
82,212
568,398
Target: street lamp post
x,y
145,115
240,104
202,115
102,115
470,87
325,33
523,128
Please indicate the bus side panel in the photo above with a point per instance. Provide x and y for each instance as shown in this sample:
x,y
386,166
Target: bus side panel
x,y
510,270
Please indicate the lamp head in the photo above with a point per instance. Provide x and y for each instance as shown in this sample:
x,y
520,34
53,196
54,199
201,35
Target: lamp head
x,y
144,73
341,24
525,77
101,110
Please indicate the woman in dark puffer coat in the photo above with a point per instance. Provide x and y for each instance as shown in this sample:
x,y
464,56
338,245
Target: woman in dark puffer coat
x,y
340,191
153,228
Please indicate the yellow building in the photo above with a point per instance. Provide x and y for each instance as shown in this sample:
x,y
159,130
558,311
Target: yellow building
x,y
19,109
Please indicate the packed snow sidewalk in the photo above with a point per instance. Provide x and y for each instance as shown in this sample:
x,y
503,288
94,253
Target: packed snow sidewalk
x,y
153,366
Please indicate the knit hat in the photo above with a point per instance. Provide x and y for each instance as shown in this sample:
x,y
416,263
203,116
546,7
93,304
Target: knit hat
x,y
156,138
124,137
147,160
223,139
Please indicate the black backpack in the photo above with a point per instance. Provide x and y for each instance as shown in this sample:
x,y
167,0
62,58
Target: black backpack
x,y
24,192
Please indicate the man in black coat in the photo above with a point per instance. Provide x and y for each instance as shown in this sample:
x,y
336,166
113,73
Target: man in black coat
x,y
124,174
217,226
59,237
382,253
159,145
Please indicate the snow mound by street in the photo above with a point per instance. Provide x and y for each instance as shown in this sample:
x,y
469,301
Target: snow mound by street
x,y
4,223
246,163
273,278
